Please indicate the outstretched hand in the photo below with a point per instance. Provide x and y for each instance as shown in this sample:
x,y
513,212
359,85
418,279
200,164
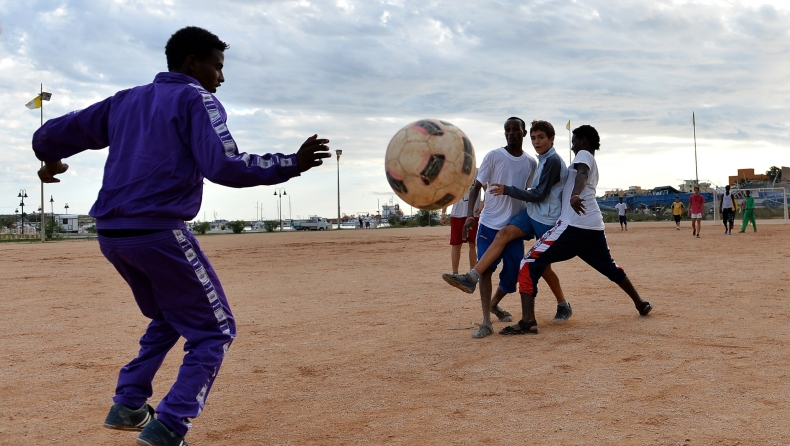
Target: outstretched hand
x,y
311,153
47,172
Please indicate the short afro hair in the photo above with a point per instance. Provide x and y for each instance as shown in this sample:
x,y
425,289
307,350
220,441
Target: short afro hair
x,y
523,124
543,126
589,133
191,41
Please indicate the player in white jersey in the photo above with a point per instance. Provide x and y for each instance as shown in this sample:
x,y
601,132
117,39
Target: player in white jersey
x,y
621,208
505,165
579,232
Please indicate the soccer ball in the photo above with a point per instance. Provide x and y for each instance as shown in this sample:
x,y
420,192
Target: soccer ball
x,y
430,164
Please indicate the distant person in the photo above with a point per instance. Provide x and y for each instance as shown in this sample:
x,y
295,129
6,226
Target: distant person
x,y
165,138
367,222
457,239
579,232
505,165
360,222
543,207
727,208
677,212
621,208
696,208
748,212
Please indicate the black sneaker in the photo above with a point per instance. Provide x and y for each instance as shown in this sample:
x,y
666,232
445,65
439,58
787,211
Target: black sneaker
x,y
463,282
157,434
126,419
564,313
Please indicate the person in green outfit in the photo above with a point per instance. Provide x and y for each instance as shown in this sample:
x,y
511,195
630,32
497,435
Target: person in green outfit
x,y
748,212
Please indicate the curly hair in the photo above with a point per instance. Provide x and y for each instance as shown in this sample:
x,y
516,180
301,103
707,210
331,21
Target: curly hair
x,y
543,126
589,133
523,124
191,41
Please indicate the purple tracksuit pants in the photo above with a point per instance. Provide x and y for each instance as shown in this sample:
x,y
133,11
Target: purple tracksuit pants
x,y
174,285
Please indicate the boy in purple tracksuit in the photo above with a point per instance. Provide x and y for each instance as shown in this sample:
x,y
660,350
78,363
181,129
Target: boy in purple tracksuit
x,y
164,139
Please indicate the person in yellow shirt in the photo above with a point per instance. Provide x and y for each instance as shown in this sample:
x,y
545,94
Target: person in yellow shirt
x,y
677,212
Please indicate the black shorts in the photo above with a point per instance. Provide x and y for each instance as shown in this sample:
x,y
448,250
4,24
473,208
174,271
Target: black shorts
x,y
622,219
677,218
728,215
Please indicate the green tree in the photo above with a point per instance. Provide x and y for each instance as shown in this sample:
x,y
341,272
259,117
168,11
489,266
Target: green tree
x,y
53,229
201,227
393,220
237,226
774,173
270,225
428,218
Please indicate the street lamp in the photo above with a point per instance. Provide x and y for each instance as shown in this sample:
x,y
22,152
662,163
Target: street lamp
x,y
67,208
22,195
279,192
16,216
52,207
338,152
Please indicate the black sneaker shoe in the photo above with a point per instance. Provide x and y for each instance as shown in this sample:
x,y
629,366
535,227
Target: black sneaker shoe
x,y
564,313
463,282
157,434
126,419
644,309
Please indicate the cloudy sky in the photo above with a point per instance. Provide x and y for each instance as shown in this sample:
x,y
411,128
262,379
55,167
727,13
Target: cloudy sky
x,y
357,71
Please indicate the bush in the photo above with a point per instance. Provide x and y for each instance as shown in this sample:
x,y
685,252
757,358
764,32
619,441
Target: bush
x,y
53,229
202,227
237,226
270,225
428,218
394,220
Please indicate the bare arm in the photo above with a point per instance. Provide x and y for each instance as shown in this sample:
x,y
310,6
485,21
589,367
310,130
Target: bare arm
x,y
582,174
470,212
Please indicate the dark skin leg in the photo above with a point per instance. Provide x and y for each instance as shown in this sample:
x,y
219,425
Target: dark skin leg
x,y
527,310
629,289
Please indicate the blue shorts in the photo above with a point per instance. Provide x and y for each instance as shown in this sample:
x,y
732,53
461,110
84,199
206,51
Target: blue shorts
x,y
512,255
528,225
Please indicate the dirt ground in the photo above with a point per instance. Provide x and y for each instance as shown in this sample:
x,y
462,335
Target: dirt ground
x,y
352,337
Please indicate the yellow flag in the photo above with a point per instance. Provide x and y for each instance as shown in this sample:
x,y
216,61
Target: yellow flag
x,y
568,125
34,103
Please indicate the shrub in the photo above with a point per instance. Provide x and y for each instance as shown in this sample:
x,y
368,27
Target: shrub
x,y
53,229
236,226
202,227
270,225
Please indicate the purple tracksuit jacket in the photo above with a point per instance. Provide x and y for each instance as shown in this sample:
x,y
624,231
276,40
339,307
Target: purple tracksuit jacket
x,y
164,138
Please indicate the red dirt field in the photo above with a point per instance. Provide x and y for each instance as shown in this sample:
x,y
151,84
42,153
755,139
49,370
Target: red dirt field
x,y
352,337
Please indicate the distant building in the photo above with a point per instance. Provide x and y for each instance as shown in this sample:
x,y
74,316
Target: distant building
x,y
389,210
749,176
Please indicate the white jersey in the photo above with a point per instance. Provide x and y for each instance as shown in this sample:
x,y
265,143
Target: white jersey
x,y
499,166
592,218
621,207
462,207
726,201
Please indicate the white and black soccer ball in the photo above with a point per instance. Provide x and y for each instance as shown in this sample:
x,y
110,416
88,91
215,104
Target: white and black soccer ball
x,y
430,164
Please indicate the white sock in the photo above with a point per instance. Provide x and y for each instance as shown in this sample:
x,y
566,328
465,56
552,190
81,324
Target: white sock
x,y
474,275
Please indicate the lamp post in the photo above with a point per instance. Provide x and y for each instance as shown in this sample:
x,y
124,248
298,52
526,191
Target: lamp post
x,y
67,209
338,152
52,207
279,192
16,216
22,195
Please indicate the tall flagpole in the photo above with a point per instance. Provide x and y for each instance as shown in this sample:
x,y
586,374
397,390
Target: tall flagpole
x,y
41,220
570,151
694,124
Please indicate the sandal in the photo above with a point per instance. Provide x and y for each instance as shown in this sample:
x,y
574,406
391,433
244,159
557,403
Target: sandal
x,y
521,328
483,331
502,314
644,308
